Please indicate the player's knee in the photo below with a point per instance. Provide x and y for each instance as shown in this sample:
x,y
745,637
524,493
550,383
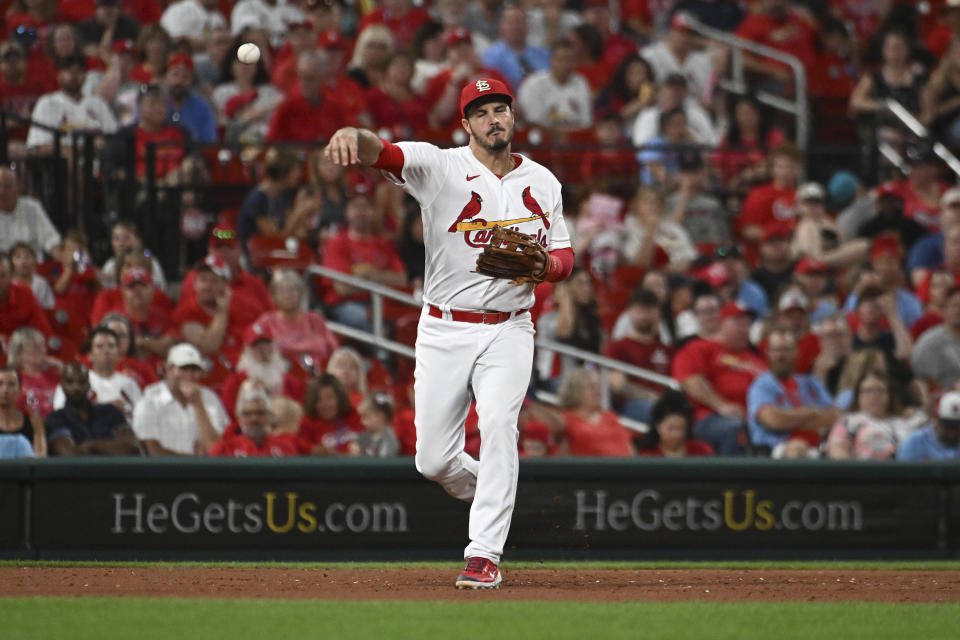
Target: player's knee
x,y
434,467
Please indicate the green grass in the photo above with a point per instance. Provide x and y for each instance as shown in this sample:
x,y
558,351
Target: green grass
x,y
850,565
160,619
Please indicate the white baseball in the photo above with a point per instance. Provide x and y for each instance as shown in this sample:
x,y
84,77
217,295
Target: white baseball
x,y
248,53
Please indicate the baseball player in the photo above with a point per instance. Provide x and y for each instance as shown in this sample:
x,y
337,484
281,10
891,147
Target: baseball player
x,y
475,332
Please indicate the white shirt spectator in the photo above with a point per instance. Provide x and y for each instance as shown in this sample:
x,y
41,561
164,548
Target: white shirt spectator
x,y
190,19
257,14
108,274
118,387
546,102
537,26
159,416
59,110
647,125
28,222
696,68
670,236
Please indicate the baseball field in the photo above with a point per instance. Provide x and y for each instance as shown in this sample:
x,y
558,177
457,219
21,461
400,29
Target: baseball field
x,y
588,601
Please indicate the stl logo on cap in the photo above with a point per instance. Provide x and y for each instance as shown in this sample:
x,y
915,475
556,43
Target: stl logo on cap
x,y
482,85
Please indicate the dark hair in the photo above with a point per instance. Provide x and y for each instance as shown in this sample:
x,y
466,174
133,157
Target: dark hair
x,y
8,368
49,50
381,402
870,294
226,67
644,298
17,246
279,162
893,398
319,382
591,38
734,135
665,117
129,225
618,82
149,91
100,330
670,403
131,332
5,257
426,31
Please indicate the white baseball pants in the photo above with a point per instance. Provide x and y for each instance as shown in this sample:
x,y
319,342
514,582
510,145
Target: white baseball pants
x,y
495,360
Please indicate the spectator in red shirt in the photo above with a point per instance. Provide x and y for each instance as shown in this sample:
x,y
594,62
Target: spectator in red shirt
x,y
350,94
330,422
18,306
19,90
141,372
225,245
400,16
393,104
939,38
784,26
716,373
922,189
616,46
153,46
671,430
588,429
776,200
253,436
742,155
75,285
261,363
300,39
641,348
39,373
215,319
792,317
360,251
148,308
313,113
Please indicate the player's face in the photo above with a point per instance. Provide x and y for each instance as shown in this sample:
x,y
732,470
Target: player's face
x,y
491,125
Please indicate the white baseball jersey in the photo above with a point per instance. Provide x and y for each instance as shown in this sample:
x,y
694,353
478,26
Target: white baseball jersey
x,y
59,110
461,200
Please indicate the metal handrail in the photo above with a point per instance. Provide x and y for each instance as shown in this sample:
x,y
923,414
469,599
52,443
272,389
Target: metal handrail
x,y
910,121
379,339
737,84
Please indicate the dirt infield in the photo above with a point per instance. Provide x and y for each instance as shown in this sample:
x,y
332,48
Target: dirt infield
x,y
523,584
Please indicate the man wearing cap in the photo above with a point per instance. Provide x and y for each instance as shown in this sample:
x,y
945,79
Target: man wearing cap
x,y
114,83
349,94
693,206
676,52
301,38
83,426
922,188
672,95
214,320
940,440
936,356
462,65
890,219
783,25
511,55
774,202
788,411
225,245
745,289
68,109
557,98
193,20
886,271
931,252
716,373
313,113
177,416
261,361
813,276
775,267
475,331
108,24
186,108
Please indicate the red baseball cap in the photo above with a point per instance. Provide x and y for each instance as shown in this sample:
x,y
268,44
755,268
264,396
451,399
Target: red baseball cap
x,y
256,332
331,39
715,274
735,309
134,275
180,60
457,36
124,45
890,188
681,20
807,265
776,230
483,88
223,234
885,246
215,264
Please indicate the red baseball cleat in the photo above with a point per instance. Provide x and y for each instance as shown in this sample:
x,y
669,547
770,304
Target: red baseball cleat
x,y
480,573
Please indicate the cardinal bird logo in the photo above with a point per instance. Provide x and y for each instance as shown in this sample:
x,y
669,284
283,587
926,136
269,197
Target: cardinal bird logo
x,y
534,207
471,209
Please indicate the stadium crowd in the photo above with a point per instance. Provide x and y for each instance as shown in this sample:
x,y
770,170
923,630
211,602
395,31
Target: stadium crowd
x,y
800,318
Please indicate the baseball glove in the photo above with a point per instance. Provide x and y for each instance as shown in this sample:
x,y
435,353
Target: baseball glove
x,y
512,255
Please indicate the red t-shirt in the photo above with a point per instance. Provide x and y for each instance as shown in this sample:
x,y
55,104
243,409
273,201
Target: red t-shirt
x,y
335,436
36,392
72,309
243,284
141,74
170,150
694,448
350,95
404,119
732,160
21,309
921,211
238,445
605,438
294,388
928,320
654,356
141,372
791,34
342,252
832,76
284,74
766,204
729,373
406,431
239,317
296,119
157,322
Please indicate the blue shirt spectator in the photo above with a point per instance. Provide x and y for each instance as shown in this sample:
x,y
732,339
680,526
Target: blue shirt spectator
x,y
14,445
927,253
511,55
753,297
796,392
940,440
909,308
187,109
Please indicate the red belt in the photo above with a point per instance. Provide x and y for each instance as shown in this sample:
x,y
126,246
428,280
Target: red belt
x,y
476,317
